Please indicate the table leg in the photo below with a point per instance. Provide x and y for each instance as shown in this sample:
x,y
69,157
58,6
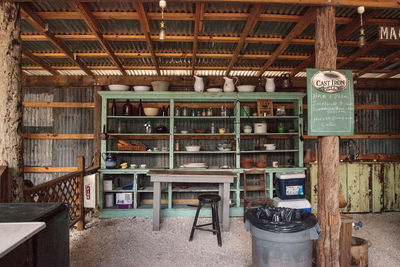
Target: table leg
x,y
156,205
225,212
221,203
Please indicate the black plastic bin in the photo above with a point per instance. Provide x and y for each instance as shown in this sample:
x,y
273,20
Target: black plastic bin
x,y
51,245
282,236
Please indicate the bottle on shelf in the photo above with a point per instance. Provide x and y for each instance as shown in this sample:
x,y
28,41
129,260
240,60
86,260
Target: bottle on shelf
x,y
177,146
209,111
212,127
127,108
140,108
164,111
113,108
281,128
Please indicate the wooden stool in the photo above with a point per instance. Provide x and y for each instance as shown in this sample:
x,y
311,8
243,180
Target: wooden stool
x,y
213,200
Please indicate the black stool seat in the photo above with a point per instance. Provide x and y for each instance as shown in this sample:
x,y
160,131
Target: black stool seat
x,y
213,200
209,198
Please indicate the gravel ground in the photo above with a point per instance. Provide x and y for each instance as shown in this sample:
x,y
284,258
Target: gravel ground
x,y
131,242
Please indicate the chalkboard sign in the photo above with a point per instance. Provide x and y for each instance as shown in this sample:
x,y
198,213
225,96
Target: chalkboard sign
x,y
330,99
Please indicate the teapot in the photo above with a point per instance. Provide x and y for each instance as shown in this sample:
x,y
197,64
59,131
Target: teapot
x,y
110,162
270,85
198,84
229,85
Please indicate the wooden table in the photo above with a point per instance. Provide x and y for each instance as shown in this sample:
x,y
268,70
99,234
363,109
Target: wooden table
x,y
223,178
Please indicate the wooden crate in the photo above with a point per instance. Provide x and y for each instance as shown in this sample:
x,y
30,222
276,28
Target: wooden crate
x,y
265,106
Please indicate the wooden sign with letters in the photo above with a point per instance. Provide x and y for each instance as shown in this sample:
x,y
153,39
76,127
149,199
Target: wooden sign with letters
x,y
265,106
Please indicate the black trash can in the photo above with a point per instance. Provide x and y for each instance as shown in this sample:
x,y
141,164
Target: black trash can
x,y
282,236
51,245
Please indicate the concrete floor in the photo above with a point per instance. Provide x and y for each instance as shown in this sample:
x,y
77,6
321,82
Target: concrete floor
x,y
131,242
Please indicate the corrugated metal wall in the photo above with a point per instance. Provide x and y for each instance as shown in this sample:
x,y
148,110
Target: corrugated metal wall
x,y
56,153
372,122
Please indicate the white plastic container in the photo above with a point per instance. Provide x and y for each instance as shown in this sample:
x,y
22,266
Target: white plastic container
x,y
109,200
301,204
107,185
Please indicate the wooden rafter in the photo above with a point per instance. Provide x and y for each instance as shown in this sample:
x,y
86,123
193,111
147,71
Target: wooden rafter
x,y
201,55
41,26
176,38
340,36
94,27
390,58
197,29
251,22
129,15
308,17
39,61
369,46
144,23
391,73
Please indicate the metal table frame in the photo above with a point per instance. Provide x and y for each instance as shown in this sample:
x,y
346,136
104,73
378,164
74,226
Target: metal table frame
x,y
224,179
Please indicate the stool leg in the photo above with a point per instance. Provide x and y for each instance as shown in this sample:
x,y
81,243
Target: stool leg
x,y
214,217
217,226
195,221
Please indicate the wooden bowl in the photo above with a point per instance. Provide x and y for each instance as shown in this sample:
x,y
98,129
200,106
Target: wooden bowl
x,y
200,130
261,164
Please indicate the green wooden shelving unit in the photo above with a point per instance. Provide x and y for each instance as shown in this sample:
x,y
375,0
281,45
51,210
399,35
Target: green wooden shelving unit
x,y
171,99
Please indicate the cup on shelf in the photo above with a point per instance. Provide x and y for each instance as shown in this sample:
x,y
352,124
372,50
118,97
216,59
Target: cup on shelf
x,y
221,130
143,166
133,166
275,164
107,185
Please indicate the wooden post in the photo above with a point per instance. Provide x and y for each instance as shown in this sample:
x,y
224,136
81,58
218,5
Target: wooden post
x,y
5,185
328,149
80,225
10,95
346,233
97,125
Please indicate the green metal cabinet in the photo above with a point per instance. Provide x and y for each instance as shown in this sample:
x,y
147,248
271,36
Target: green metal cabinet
x,y
367,187
170,99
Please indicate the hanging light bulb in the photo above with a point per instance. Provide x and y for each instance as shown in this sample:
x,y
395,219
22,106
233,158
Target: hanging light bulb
x,y
163,4
361,39
162,31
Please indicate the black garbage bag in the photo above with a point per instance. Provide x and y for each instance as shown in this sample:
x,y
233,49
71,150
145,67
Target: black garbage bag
x,y
281,220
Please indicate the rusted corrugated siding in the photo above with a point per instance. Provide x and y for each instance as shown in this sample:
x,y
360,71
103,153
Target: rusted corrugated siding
x,y
56,153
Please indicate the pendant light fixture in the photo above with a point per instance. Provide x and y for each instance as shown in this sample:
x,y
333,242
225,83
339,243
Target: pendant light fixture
x,y
163,4
361,40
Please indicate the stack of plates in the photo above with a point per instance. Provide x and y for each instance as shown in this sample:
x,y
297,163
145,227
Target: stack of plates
x,y
214,90
201,165
270,146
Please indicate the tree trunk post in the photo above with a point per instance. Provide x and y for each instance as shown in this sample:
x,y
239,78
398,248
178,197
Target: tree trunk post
x,y
11,145
328,149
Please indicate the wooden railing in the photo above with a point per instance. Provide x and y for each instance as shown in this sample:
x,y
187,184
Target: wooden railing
x,y
5,185
67,189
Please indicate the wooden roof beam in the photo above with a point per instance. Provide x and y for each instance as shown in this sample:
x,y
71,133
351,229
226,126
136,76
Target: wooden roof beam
x,y
390,58
391,73
41,26
144,24
369,46
93,24
308,17
125,15
197,29
340,36
251,22
39,61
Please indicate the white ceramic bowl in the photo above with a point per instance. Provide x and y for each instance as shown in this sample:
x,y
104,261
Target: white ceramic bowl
x,y
192,148
150,111
118,87
214,90
184,132
247,130
160,85
141,88
246,88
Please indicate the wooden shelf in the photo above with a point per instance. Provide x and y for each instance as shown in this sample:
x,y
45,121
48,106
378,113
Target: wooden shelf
x,y
269,151
136,152
269,117
137,134
205,152
277,134
204,117
138,117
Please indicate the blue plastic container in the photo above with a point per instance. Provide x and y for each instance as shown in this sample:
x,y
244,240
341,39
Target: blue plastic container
x,y
290,185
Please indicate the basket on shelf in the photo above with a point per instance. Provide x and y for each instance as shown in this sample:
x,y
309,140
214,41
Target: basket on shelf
x,y
134,146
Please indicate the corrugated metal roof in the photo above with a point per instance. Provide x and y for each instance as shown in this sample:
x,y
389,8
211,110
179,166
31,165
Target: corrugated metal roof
x,y
37,72
303,50
175,61
27,28
242,73
173,27
106,72
59,62
142,72
51,6
27,62
272,29
214,7
123,27
260,48
141,61
212,62
223,28
68,26
218,48
40,46
171,47
126,6
97,61
128,46
176,7
244,62
84,46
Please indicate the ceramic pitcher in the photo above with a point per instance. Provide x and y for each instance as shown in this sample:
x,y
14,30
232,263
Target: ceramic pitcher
x,y
229,85
198,84
270,85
